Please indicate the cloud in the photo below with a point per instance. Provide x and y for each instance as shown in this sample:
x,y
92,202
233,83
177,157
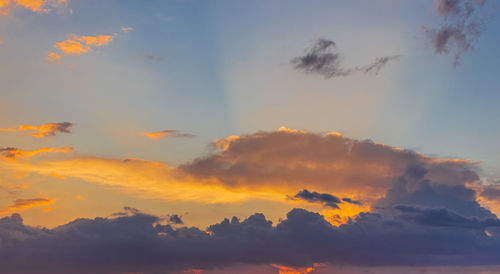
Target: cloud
x,y
142,243
42,131
322,59
463,23
379,63
167,134
290,160
175,219
42,6
155,58
78,45
53,57
12,153
315,197
127,29
23,204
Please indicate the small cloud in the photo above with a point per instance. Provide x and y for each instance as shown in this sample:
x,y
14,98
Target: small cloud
x,y
155,58
12,153
78,45
53,57
463,23
175,219
127,29
315,197
23,204
42,131
167,134
322,59
41,6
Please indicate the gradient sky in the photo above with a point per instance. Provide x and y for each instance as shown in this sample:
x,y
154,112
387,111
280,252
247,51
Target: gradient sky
x,y
197,109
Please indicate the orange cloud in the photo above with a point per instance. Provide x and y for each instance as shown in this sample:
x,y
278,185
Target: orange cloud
x,y
70,47
34,5
42,131
142,178
294,270
23,204
169,133
125,29
11,153
53,57
77,45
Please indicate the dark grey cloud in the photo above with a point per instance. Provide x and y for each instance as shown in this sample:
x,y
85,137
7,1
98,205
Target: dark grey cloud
x,y
491,192
315,197
175,219
322,59
463,23
379,63
155,58
323,198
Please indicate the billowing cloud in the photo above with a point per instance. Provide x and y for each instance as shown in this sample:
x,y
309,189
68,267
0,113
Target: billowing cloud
x,y
34,5
322,59
23,204
12,153
304,240
291,160
78,45
463,23
168,133
42,131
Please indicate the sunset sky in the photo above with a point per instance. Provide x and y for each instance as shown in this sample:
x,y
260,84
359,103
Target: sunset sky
x,y
250,136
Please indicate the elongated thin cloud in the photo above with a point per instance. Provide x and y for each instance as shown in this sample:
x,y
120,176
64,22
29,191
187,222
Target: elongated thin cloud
x,y
42,131
168,133
12,153
23,204
322,59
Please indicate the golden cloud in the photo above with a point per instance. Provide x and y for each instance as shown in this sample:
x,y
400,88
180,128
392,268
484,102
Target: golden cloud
x,y
34,5
53,57
168,133
11,153
23,204
42,131
77,45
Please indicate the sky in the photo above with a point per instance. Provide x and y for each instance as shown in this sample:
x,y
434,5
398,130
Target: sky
x,y
227,136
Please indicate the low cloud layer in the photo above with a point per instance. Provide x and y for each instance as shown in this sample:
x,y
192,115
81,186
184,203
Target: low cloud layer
x,y
463,21
323,59
42,131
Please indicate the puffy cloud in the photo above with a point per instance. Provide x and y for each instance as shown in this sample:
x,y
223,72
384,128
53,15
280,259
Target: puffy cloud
x,y
288,160
53,57
463,23
11,153
142,243
77,45
42,131
168,133
322,59
23,204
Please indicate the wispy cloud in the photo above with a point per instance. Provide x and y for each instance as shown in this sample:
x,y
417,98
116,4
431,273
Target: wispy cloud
x,y
168,133
12,153
463,23
323,59
155,58
23,204
42,131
